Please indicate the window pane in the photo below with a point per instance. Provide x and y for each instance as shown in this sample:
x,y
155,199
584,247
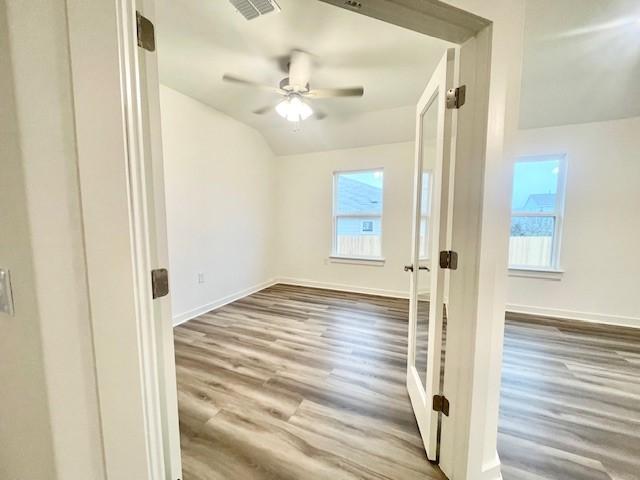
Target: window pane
x,y
424,238
425,213
359,192
531,241
535,186
358,237
425,194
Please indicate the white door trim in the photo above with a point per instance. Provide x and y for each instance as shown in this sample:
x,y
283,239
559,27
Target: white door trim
x,y
138,126
117,157
163,357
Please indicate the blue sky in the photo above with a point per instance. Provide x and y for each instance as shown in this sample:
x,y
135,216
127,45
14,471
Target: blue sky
x,y
534,177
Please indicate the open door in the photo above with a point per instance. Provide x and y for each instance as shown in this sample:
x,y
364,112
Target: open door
x,y
428,280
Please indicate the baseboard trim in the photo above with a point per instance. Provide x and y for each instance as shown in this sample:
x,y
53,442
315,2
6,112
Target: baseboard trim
x,y
342,287
196,312
191,314
492,470
599,318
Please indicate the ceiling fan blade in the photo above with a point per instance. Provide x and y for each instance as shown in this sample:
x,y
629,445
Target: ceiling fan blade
x,y
241,81
299,70
335,92
263,110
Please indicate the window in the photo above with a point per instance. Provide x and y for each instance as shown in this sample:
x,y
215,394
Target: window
x,y
537,207
357,214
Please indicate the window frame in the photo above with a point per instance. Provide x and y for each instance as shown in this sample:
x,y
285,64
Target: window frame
x,y
334,217
557,214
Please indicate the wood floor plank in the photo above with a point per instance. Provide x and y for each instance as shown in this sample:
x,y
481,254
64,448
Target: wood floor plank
x,y
297,383
570,407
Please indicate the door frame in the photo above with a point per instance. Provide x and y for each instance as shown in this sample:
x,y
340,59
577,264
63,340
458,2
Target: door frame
x,y
133,415
119,143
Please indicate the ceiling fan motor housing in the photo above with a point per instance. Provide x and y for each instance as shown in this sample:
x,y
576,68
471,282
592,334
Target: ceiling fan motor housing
x,y
285,85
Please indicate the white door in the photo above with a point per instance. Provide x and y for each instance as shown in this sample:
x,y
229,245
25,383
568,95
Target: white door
x,y
431,189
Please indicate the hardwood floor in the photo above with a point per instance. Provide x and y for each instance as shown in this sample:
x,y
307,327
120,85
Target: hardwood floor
x,y
570,406
297,383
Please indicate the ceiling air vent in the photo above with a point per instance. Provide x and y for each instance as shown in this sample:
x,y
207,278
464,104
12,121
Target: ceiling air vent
x,y
251,9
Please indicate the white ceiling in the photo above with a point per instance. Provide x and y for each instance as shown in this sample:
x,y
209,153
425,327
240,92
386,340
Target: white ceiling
x,y
581,64
581,61
199,41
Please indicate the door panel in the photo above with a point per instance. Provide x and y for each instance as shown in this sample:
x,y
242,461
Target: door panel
x,y
423,277
426,312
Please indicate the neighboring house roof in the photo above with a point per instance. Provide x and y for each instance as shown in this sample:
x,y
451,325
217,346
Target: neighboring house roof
x,y
540,202
358,196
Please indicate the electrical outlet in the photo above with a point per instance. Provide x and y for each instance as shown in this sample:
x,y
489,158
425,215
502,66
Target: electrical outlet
x,y
201,278
6,296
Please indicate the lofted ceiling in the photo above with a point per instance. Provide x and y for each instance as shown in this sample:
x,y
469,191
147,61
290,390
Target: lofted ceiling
x,y
581,64
199,41
581,61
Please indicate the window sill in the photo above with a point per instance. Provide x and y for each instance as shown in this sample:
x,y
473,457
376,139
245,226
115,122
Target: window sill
x,y
541,273
375,261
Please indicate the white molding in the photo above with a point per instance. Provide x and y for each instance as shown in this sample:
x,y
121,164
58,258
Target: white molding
x,y
591,317
370,261
492,470
342,287
143,237
542,274
196,312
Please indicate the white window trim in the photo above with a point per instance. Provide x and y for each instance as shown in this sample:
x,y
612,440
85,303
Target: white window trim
x,y
334,257
554,271
373,261
540,273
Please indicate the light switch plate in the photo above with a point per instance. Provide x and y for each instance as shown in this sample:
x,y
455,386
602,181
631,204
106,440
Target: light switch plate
x,y
6,297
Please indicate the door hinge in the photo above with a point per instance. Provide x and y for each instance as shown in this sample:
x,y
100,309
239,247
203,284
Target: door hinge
x,y
159,282
146,33
456,96
441,404
449,259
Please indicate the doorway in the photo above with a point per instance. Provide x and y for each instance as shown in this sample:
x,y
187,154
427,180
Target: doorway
x,y
362,182
482,142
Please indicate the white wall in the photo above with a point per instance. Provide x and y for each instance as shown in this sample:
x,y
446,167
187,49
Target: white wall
x,y
601,232
304,206
219,176
244,217
25,435
49,426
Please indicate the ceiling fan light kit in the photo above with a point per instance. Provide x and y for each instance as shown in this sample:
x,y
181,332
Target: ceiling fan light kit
x,y
294,109
295,90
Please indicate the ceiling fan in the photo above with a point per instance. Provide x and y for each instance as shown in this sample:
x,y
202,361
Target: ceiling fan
x,y
296,90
